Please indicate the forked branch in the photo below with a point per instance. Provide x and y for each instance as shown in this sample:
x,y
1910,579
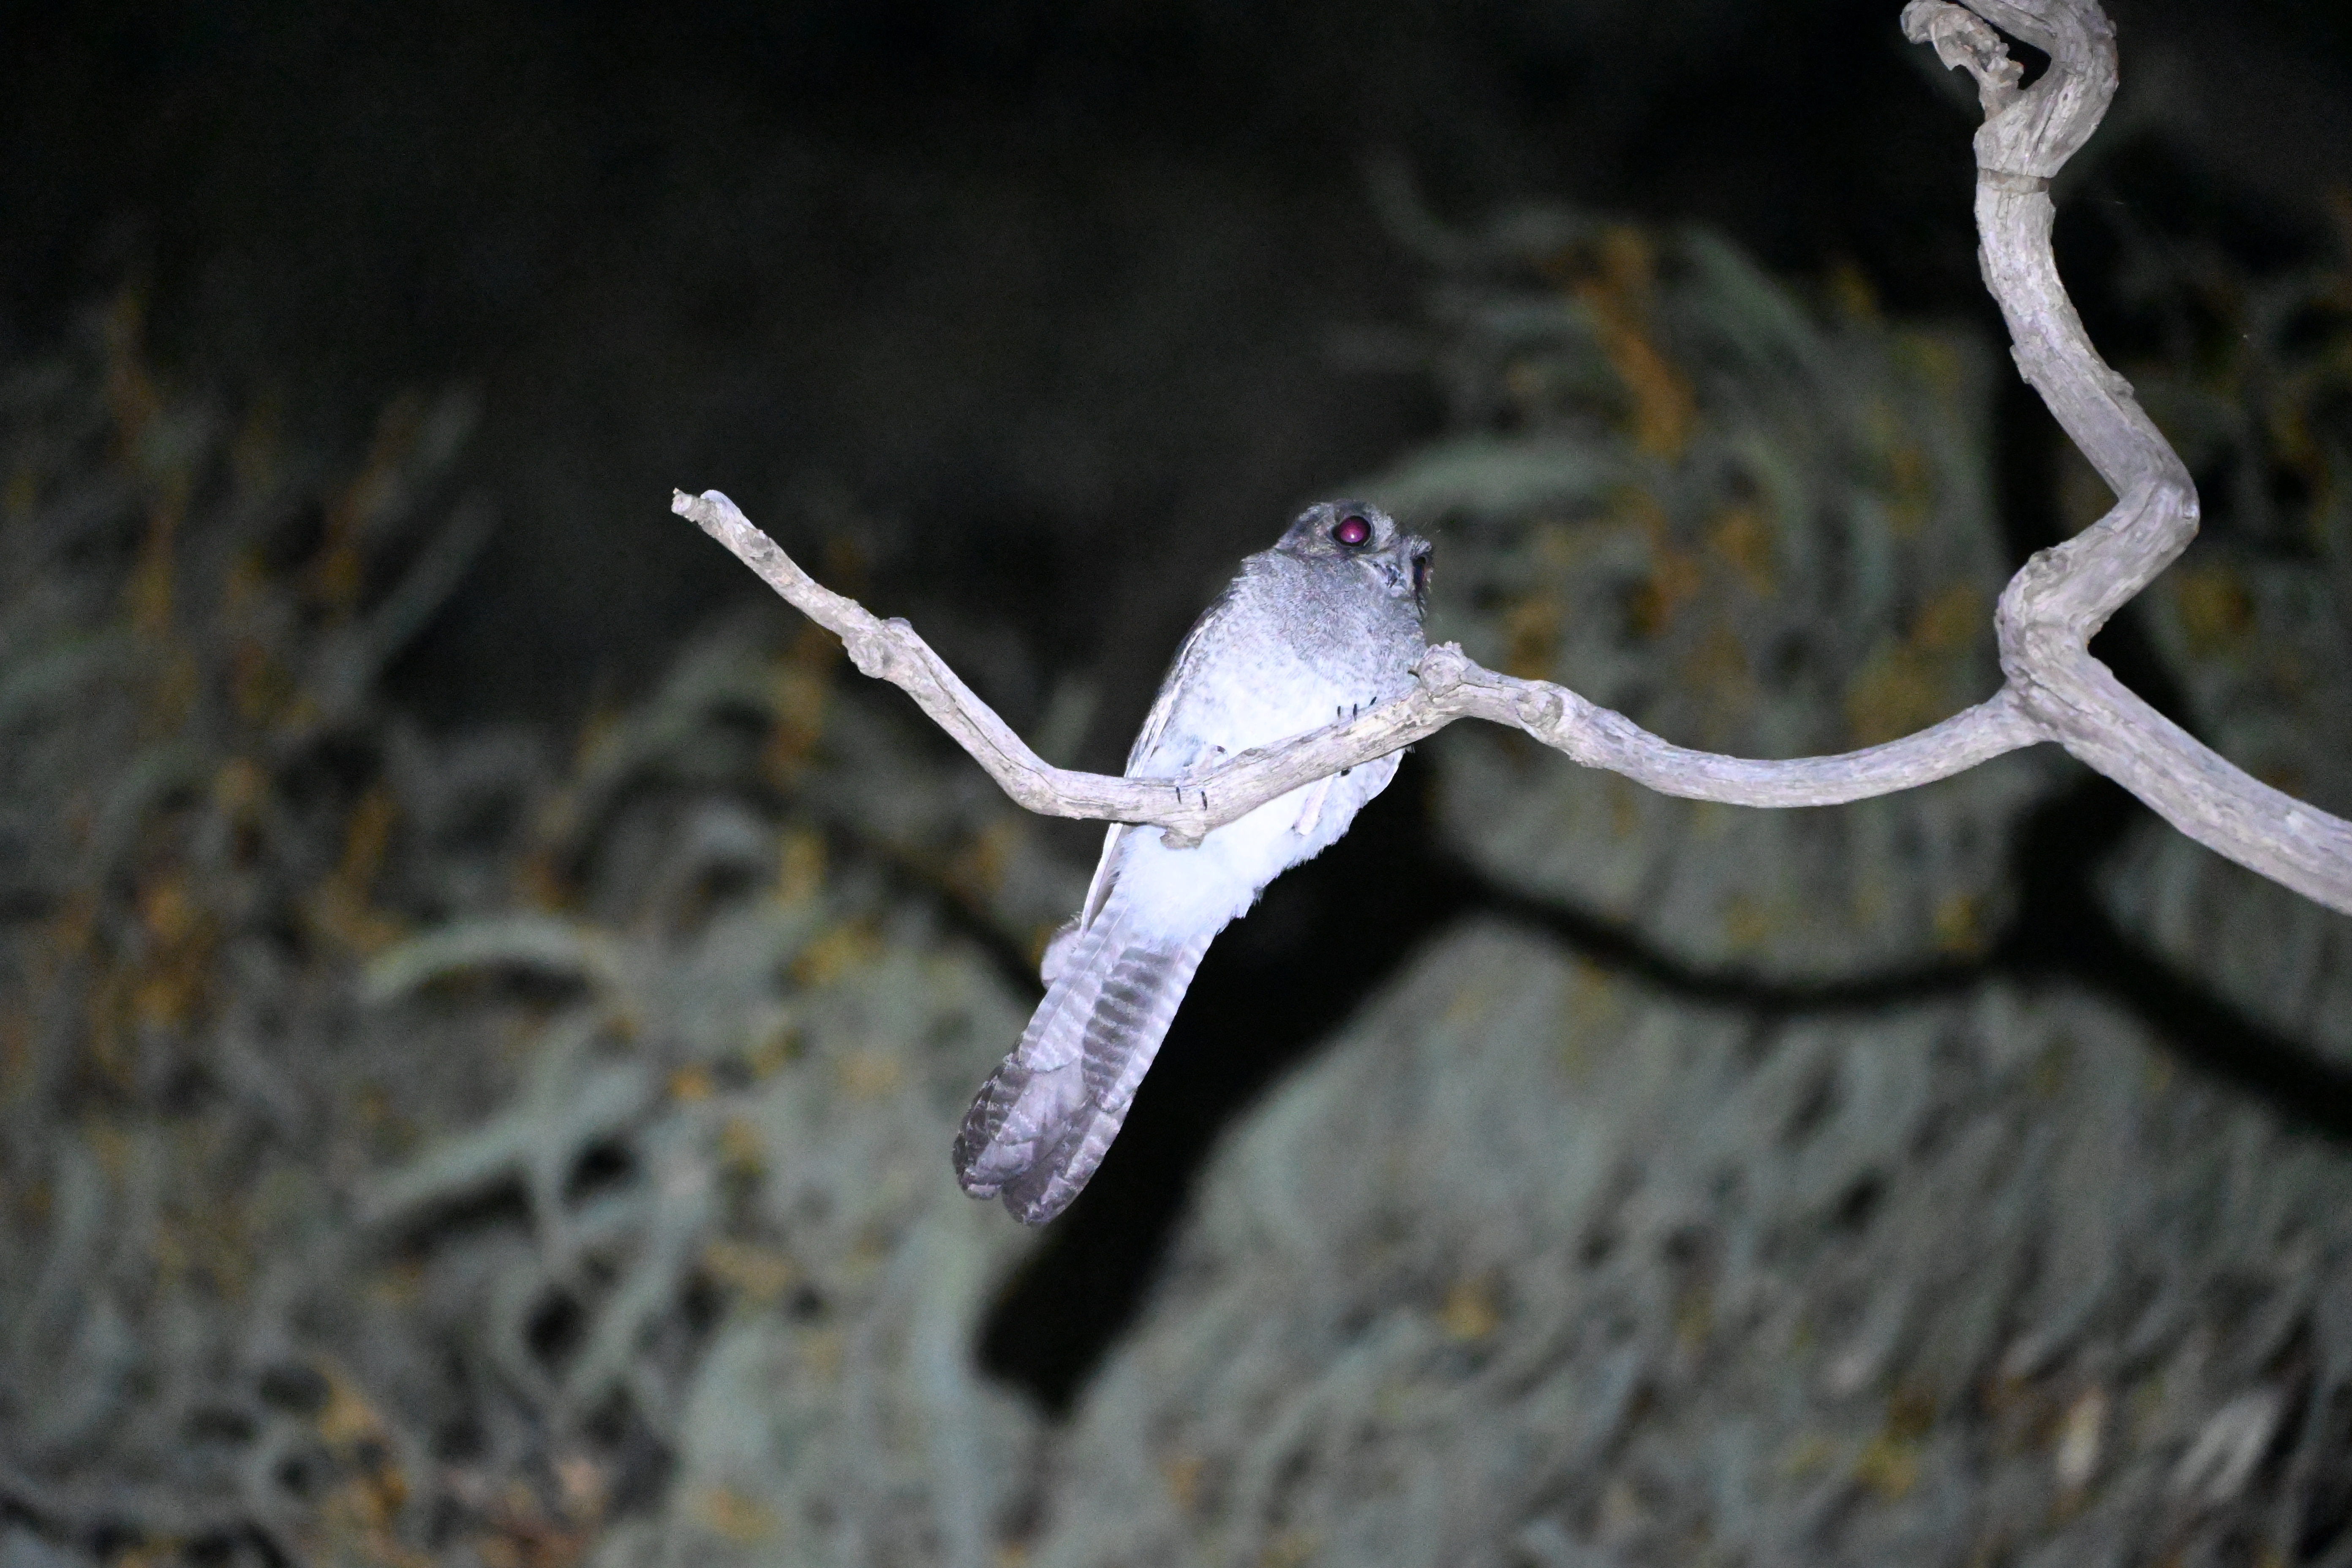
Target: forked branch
x,y
2054,690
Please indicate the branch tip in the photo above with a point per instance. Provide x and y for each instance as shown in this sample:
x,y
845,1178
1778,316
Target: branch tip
x,y
1963,41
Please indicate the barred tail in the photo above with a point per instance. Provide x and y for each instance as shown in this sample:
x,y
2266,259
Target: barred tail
x,y
1045,1118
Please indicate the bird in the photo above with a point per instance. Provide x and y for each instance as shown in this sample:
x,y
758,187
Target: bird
x,y
1324,625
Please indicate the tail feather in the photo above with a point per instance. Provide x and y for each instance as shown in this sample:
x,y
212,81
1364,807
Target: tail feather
x,y
1045,1117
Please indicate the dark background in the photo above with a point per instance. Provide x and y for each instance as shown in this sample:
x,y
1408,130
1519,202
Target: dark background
x,y
1052,285
1072,300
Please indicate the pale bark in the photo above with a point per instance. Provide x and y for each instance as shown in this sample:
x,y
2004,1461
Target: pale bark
x,y
2055,690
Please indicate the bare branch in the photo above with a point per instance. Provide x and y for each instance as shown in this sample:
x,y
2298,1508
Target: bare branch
x,y
1452,686
2055,691
2061,599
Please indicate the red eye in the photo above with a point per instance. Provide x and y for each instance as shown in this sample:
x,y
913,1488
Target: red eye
x,y
1352,531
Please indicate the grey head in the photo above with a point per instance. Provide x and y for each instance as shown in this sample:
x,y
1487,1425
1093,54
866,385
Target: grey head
x,y
1345,533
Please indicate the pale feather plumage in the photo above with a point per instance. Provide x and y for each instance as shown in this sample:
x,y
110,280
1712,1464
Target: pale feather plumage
x,y
1314,629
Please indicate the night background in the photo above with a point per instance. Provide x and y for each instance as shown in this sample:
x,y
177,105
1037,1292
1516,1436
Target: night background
x,y
489,990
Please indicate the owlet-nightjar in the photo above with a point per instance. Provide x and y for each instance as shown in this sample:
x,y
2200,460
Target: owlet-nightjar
x,y
1322,626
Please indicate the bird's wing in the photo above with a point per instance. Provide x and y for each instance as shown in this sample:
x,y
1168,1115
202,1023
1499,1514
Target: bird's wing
x,y
1189,654
1064,941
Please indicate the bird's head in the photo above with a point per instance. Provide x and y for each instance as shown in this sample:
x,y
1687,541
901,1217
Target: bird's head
x,y
1357,532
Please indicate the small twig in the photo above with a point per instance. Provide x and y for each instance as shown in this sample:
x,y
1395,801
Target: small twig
x,y
2055,690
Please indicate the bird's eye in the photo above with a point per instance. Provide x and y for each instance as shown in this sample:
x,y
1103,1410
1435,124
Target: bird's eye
x,y
1351,530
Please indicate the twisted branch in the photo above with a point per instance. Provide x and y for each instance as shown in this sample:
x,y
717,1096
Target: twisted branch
x,y
2054,690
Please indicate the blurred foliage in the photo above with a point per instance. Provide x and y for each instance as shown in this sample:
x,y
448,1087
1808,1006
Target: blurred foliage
x,y
1752,526
2255,390
1541,1267
1544,1265
457,1148
413,1142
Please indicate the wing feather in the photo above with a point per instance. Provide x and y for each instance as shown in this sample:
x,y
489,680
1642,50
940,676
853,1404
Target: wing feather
x,y
1147,740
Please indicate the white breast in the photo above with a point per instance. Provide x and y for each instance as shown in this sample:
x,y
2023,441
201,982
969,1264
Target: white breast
x,y
1187,892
